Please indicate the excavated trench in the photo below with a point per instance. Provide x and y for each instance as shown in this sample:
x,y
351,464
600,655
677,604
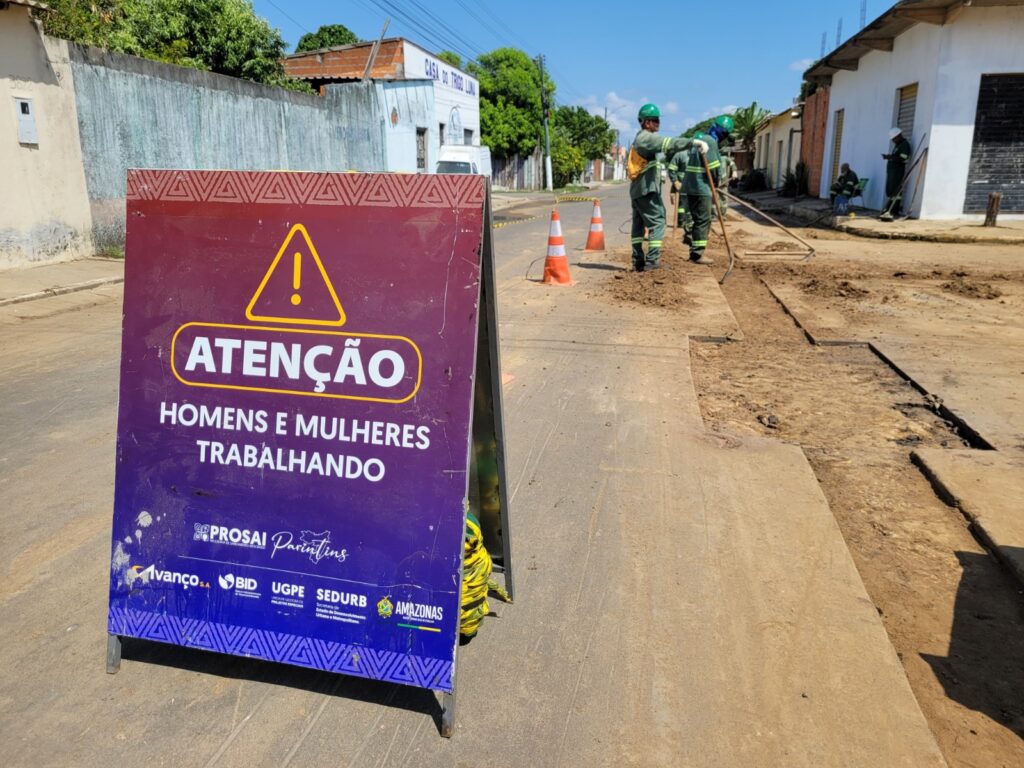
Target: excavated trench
x,y
951,610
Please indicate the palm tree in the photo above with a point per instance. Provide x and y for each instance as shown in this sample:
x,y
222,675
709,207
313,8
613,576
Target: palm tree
x,y
746,121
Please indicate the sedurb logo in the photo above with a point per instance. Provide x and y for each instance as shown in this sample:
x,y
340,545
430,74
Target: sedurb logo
x,y
314,362
238,537
152,573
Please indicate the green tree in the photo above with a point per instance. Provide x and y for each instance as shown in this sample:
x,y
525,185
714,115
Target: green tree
x,y
510,111
224,36
567,160
328,36
451,57
701,127
746,122
590,134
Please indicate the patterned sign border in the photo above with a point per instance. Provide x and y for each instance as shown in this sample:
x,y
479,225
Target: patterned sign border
x,y
282,647
382,190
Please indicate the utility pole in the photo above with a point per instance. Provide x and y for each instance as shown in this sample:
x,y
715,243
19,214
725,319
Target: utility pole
x,y
863,13
547,131
824,42
839,32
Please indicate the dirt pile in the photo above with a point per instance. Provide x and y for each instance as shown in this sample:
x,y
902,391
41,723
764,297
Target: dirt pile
x,y
972,289
831,287
663,288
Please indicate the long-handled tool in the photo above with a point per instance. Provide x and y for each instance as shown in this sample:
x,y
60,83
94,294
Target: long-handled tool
x,y
759,212
721,219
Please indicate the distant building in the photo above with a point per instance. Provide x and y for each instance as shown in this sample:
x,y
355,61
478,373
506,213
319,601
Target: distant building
x,y
777,145
951,75
404,68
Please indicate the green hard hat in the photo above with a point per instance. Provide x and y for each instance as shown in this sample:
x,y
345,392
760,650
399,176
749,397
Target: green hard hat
x,y
700,135
725,122
649,111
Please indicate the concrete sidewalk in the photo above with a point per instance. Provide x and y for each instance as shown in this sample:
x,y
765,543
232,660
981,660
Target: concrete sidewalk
x,y
864,222
39,282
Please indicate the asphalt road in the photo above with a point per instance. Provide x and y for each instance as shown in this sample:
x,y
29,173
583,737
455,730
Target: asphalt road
x,y
683,598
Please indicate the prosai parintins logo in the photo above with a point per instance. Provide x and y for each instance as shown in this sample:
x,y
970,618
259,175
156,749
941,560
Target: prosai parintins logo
x,y
385,608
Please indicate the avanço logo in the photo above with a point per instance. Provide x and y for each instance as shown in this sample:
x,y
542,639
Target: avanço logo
x,y
152,573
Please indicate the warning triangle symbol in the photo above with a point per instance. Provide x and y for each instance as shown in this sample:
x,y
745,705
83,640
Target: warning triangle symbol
x,y
296,288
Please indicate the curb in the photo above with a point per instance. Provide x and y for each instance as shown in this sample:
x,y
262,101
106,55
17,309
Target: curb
x,y
976,523
60,291
832,222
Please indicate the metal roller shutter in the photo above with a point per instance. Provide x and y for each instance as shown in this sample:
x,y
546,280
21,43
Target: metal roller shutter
x,y
906,105
997,155
837,142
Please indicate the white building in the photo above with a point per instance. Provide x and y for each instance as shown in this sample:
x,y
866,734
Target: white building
x,y
950,73
413,140
777,146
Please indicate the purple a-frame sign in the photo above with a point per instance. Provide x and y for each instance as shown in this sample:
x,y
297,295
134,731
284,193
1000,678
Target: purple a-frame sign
x,y
298,364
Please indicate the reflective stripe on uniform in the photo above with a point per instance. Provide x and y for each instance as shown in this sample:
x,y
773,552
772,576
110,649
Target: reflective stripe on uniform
x,y
636,240
655,243
699,243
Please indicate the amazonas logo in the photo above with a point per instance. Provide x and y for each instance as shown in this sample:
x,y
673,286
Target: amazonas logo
x,y
315,362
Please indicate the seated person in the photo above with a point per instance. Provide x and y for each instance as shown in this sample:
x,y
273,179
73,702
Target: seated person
x,y
845,185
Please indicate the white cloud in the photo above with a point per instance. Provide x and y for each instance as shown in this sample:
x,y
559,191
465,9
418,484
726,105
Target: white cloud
x,y
671,108
802,65
621,111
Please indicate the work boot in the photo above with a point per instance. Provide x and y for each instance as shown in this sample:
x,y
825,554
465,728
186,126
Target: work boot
x,y
886,217
700,258
656,265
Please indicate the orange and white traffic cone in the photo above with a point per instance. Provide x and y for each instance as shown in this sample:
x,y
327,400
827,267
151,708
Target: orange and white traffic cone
x,y
595,238
556,265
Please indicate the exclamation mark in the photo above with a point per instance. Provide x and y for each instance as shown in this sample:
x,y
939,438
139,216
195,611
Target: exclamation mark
x,y
297,278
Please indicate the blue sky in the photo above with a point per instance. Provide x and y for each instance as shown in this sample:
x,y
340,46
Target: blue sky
x,y
693,59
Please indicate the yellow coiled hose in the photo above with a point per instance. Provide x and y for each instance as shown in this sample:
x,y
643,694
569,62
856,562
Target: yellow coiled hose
x,y
476,580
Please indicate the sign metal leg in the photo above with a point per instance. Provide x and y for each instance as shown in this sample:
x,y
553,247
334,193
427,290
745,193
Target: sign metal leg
x,y
113,654
447,714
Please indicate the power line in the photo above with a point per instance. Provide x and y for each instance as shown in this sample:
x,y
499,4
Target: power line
x,y
284,13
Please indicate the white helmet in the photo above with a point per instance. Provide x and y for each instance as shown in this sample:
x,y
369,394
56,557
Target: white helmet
x,y
894,132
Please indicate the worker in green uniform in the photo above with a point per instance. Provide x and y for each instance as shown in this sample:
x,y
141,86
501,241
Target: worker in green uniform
x,y
644,170
676,170
697,186
728,173
845,184
895,168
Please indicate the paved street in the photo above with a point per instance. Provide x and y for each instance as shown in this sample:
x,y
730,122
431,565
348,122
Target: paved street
x,y
683,597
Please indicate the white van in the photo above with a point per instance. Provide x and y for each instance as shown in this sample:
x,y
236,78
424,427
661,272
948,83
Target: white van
x,y
460,158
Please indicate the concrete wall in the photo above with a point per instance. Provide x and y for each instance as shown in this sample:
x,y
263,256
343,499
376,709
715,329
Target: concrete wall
x,y
868,98
782,128
456,94
135,113
411,103
982,41
947,63
44,215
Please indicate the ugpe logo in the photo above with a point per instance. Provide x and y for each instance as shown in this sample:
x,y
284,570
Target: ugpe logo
x,y
312,361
